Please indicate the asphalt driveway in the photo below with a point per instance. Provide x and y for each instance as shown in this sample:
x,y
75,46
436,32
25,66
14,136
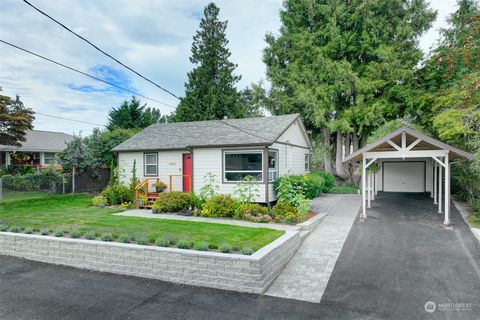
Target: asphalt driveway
x,y
390,266
402,257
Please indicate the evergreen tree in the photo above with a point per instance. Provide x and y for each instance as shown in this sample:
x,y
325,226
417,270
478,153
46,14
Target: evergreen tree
x,y
132,115
345,66
210,91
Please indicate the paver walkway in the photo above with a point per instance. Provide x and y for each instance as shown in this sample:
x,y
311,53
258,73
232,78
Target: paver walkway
x,y
306,275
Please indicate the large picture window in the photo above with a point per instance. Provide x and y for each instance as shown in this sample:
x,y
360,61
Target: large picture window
x,y
272,165
239,164
151,164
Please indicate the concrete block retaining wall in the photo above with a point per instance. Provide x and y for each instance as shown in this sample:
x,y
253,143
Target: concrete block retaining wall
x,y
210,269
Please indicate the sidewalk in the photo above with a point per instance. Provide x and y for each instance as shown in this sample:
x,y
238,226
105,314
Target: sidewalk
x,y
306,275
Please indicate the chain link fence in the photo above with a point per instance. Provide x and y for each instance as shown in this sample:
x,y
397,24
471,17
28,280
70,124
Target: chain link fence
x,y
44,183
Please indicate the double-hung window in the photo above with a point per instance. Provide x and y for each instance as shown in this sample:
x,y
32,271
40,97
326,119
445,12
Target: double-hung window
x,y
241,163
307,162
272,165
151,164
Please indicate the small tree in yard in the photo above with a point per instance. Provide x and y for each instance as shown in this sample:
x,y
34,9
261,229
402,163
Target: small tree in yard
x,y
15,120
247,190
77,155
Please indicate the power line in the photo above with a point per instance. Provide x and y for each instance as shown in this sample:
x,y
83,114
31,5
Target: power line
x,y
98,49
62,118
85,74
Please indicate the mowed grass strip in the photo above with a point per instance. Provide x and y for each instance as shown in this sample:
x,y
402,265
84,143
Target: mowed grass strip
x,y
69,212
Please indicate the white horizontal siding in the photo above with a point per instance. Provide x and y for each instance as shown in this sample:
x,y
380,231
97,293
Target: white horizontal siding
x,y
294,135
169,163
209,160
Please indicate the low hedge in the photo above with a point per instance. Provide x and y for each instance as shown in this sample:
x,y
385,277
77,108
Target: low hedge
x,y
170,202
311,184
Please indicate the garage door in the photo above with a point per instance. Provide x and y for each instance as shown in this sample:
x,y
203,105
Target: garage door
x,y
404,176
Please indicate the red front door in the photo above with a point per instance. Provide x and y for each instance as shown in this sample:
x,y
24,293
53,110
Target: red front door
x,y
187,172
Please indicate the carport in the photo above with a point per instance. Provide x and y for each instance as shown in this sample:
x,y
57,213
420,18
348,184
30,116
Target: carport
x,y
408,161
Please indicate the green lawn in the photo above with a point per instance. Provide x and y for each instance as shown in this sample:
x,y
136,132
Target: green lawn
x,y
69,212
9,196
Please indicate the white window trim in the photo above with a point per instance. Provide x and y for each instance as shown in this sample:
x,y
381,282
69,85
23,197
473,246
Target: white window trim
x,y
277,169
308,158
256,151
145,165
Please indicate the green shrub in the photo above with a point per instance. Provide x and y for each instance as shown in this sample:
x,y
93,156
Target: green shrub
x,y
142,240
125,238
310,186
475,205
59,233
117,194
99,201
220,205
44,232
225,248
250,209
3,227
15,229
345,188
107,236
28,230
162,242
284,212
184,244
246,251
75,233
328,179
200,246
89,235
32,181
172,202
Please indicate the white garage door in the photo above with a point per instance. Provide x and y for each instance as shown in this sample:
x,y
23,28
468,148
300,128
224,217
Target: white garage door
x,y
404,176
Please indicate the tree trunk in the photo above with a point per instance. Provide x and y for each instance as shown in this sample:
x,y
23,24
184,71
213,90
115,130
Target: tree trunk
x,y
355,142
327,157
339,158
347,144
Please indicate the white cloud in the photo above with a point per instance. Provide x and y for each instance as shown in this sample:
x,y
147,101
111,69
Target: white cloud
x,y
153,37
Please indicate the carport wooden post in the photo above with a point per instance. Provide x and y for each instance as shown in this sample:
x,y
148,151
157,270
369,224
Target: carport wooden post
x,y
447,191
440,168
435,171
364,169
375,185
369,189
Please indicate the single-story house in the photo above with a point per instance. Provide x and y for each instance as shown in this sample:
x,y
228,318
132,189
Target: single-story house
x,y
408,161
39,149
183,154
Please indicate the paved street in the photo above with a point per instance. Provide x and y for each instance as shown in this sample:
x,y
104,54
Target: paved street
x,y
390,266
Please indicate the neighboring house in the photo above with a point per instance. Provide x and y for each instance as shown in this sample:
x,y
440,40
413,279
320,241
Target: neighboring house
x,y
39,149
183,154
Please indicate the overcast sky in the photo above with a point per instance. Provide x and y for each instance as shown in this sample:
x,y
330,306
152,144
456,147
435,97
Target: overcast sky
x,y
153,37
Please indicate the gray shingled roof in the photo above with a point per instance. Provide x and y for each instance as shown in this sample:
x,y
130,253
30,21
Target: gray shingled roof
x,y
38,140
229,132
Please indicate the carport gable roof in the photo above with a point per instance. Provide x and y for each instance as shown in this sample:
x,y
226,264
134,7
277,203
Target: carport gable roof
x,y
424,143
